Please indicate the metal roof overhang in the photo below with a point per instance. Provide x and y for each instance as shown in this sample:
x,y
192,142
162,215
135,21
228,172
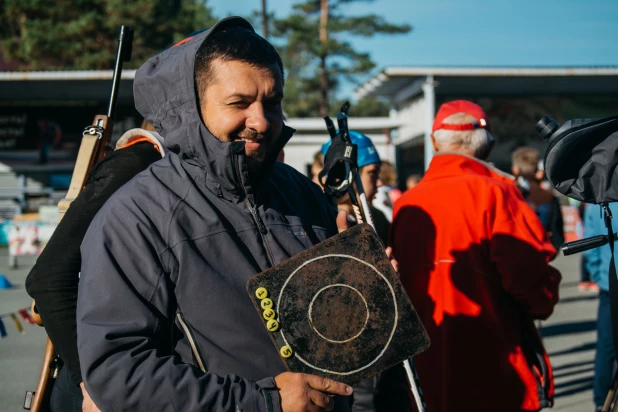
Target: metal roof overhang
x,y
360,123
400,83
64,86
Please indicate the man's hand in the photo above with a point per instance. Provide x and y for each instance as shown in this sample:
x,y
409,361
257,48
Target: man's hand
x,y
342,221
308,393
87,405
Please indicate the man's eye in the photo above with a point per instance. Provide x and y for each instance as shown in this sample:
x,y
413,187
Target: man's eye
x,y
238,104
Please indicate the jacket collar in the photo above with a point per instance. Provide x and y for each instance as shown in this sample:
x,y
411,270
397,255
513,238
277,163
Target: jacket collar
x,y
450,164
224,163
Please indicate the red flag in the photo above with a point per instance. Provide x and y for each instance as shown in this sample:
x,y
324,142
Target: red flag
x,y
26,316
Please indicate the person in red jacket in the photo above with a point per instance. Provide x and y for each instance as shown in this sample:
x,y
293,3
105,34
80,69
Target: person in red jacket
x,y
473,257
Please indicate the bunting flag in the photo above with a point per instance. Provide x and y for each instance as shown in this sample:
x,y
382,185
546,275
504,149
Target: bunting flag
x,y
26,316
18,325
24,313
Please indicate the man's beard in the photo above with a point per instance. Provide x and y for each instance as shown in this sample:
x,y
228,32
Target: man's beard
x,y
256,158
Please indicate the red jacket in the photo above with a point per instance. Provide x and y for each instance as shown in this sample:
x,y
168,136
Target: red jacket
x,y
473,258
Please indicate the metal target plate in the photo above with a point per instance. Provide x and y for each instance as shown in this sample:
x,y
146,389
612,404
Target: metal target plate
x,y
341,309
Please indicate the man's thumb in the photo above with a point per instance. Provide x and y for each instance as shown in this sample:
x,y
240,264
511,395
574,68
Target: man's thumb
x,y
342,221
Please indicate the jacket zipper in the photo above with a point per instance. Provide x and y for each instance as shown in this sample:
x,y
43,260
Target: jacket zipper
x,y
254,213
262,229
196,352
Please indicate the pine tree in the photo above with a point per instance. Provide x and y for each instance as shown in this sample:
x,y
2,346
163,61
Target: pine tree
x,y
82,34
317,56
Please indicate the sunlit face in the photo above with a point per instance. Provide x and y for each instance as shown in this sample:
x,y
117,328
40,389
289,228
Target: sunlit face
x,y
370,176
243,102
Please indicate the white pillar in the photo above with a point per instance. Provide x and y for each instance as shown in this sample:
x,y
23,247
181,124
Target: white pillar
x,y
430,111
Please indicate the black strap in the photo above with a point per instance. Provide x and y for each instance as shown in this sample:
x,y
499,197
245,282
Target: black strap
x,y
613,281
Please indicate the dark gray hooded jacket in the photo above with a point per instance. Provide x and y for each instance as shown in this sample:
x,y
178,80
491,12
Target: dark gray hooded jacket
x,y
166,261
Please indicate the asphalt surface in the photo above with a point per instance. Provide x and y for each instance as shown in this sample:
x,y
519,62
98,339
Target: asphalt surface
x,y
569,336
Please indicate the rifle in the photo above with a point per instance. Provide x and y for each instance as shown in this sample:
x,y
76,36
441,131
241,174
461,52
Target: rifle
x,y
93,147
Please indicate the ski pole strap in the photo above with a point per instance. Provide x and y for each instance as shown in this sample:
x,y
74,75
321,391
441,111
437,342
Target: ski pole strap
x,y
613,281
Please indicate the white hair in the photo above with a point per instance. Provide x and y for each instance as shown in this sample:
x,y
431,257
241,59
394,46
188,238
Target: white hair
x,y
476,140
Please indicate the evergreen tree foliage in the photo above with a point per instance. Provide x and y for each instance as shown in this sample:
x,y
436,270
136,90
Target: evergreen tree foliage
x,y
317,54
82,34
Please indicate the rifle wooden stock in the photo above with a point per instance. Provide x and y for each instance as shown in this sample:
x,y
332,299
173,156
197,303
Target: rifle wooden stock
x,y
40,401
92,149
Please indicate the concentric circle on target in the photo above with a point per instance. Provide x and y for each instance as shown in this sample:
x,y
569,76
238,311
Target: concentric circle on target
x,y
338,312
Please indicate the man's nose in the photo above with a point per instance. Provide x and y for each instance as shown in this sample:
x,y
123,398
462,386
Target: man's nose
x,y
257,119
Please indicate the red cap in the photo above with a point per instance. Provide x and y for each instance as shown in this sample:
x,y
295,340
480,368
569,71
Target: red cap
x,y
460,106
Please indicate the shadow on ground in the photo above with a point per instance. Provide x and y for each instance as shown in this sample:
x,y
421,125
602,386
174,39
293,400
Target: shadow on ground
x,y
573,386
568,328
579,298
572,365
575,349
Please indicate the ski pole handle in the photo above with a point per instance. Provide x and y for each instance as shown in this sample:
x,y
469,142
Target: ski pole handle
x,y
582,245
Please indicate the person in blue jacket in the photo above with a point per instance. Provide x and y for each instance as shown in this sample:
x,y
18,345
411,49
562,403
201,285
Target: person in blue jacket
x,y
597,263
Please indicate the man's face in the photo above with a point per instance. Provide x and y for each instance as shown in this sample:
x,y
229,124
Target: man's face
x,y
243,102
370,176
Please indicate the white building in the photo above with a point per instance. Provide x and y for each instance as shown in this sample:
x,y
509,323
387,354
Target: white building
x,y
515,98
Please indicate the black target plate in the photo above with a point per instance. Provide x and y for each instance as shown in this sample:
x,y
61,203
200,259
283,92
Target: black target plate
x,y
341,308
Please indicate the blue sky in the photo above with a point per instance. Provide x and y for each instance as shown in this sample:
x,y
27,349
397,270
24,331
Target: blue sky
x,y
480,32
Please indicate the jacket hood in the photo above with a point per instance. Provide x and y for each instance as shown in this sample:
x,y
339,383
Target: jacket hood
x,y
165,94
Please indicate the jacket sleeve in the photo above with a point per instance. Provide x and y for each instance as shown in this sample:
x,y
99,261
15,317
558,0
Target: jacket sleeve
x,y
593,226
125,315
521,252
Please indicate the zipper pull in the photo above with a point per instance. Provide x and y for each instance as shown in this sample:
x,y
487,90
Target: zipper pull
x,y
256,217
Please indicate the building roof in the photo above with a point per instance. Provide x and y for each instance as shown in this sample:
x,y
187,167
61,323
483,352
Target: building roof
x,y
311,124
64,75
401,82
62,86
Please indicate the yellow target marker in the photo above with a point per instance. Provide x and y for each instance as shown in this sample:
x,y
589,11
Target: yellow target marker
x,y
285,351
267,303
261,293
272,325
269,314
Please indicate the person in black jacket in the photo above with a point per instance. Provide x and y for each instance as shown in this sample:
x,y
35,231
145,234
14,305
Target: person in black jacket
x,y
164,321
53,281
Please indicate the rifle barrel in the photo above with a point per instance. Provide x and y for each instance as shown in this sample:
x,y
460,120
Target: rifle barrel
x,y
123,54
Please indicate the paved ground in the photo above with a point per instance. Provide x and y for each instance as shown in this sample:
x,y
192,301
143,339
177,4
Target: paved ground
x,y
569,337
20,355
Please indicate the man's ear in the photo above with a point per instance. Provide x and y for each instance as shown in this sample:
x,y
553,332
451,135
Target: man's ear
x,y
515,170
434,144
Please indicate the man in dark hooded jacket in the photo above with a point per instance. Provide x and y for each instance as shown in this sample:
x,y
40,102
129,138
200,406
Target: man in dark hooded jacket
x,y
164,320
